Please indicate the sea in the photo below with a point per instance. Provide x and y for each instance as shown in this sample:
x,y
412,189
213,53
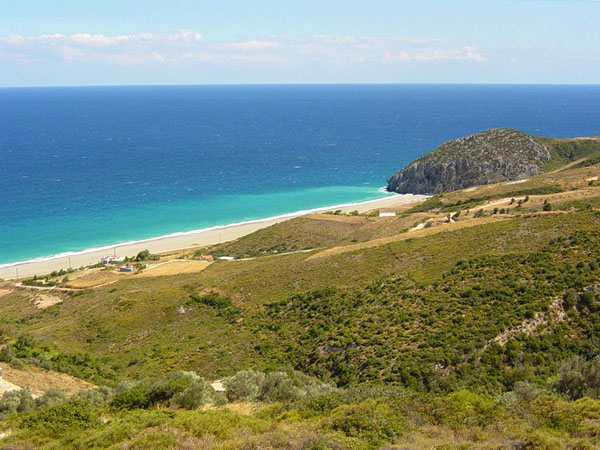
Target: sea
x,y
87,167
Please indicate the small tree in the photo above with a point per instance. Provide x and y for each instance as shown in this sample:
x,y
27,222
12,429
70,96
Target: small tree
x,y
571,380
144,255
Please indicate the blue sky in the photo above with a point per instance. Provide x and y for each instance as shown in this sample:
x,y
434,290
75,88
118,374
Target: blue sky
x,y
73,42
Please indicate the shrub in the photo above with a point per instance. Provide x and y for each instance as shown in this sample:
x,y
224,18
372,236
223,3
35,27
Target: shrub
x,y
586,300
52,397
372,420
194,396
569,299
244,385
75,414
571,380
98,396
6,354
136,398
176,382
547,206
16,401
464,408
277,386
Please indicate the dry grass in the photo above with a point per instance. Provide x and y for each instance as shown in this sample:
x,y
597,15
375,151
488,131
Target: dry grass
x,y
437,220
440,228
39,381
244,408
4,292
95,278
174,268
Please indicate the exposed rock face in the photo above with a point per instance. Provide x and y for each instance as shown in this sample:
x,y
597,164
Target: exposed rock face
x,y
496,155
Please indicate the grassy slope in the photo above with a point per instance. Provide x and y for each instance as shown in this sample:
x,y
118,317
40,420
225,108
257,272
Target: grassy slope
x,y
565,151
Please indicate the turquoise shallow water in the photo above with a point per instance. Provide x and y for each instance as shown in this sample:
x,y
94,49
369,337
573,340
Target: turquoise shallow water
x,y
119,225
87,167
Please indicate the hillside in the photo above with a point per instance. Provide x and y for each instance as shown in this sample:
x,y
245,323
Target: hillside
x,y
467,321
489,157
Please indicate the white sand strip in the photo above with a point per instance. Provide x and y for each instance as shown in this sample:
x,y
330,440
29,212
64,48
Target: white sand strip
x,y
180,241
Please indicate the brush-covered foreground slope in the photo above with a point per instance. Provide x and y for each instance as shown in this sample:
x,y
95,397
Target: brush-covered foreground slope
x,y
493,156
460,322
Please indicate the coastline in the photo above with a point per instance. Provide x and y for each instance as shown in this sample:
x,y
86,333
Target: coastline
x,y
183,240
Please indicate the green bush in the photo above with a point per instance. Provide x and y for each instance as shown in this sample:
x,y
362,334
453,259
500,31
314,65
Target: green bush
x,y
75,414
136,398
52,397
245,385
99,396
464,408
571,378
277,386
16,401
192,397
372,420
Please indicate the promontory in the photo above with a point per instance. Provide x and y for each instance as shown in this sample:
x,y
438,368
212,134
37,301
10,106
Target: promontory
x,y
492,156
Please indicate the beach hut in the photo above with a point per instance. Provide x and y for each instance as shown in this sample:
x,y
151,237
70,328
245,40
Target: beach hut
x,y
387,214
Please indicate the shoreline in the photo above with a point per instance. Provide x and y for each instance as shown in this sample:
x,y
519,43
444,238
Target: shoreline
x,y
182,240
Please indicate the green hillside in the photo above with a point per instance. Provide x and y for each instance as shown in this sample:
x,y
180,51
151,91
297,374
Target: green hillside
x,y
471,321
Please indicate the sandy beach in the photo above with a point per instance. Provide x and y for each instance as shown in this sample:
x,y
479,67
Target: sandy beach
x,y
180,241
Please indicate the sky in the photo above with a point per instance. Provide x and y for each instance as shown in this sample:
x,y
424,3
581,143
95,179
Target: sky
x,y
108,42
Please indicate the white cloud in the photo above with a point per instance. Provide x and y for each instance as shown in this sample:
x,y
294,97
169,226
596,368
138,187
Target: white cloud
x,y
187,45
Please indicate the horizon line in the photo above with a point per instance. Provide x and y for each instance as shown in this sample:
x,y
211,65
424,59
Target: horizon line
x,y
480,83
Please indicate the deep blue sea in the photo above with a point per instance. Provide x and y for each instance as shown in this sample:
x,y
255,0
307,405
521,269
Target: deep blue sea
x,y
84,167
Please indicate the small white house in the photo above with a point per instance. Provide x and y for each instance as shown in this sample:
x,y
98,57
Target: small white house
x,y
387,214
226,258
112,259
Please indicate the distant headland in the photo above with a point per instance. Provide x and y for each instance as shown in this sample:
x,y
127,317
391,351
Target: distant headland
x,y
493,156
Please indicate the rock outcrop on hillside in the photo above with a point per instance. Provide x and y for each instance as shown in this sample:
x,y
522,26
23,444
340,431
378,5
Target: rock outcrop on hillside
x,y
493,156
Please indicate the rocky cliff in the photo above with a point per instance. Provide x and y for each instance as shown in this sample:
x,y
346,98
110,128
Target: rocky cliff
x,y
496,155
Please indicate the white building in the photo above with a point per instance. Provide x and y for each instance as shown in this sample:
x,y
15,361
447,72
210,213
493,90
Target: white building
x,y
112,259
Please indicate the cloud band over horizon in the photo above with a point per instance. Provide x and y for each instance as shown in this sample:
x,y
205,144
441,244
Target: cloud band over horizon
x,y
192,46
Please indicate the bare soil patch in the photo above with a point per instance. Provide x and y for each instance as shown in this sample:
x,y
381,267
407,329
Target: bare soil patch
x,y
43,301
